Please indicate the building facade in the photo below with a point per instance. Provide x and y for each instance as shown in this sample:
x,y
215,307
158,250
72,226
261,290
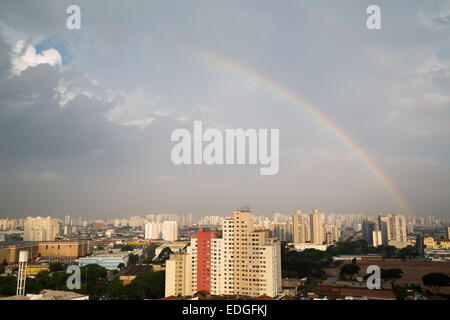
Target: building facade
x,y
316,225
300,227
41,229
393,228
245,261
9,252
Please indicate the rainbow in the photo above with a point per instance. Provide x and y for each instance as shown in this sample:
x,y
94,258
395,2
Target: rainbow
x,y
230,65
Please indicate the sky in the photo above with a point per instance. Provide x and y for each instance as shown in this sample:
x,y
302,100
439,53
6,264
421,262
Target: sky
x,y
86,115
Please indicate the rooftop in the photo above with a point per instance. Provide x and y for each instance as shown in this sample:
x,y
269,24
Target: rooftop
x,y
49,295
137,269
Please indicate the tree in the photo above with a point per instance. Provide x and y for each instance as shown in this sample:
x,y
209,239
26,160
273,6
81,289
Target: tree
x,y
391,274
337,263
133,259
289,274
394,274
400,292
408,252
115,289
3,266
120,265
333,251
148,260
152,284
127,248
163,256
8,286
308,263
349,270
93,281
310,283
135,290
56,266
436,280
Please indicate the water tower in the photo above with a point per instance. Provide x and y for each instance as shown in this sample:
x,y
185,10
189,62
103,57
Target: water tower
x,y
22,275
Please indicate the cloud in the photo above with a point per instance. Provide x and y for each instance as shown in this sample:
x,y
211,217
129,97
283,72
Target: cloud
x,y
22,59
66,91
439,21
43,176
138,108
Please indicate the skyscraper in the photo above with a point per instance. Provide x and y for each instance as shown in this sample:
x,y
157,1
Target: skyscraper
x,y
170,230
300,227
206,251
153,230
393,227
316,226
377,239
244,261
68,220
420,245
367,228
40,229
331,234
282,231
178,275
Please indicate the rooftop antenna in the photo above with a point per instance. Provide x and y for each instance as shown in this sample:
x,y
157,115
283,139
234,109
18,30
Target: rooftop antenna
x,y
22,275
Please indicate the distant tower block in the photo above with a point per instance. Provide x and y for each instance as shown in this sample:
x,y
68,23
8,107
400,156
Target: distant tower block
x,y
22,276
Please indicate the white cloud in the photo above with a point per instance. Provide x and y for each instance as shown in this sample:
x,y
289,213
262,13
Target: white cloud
x,y
66,91
137,108
43,176
439,21
22,59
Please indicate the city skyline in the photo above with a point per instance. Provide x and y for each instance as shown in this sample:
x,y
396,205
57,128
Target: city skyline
x,y
362,114
145,216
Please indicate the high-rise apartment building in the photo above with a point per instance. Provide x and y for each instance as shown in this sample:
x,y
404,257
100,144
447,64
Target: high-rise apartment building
x,y
170,230
384,226
300,227
393,227
367,228
282,231
178,275
377,238
41,229
167,230
68,220
244,261
316,226
206,255
153,230
398,228
331,234
136,221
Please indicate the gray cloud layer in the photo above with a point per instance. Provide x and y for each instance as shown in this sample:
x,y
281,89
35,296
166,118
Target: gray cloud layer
x,y
92,137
